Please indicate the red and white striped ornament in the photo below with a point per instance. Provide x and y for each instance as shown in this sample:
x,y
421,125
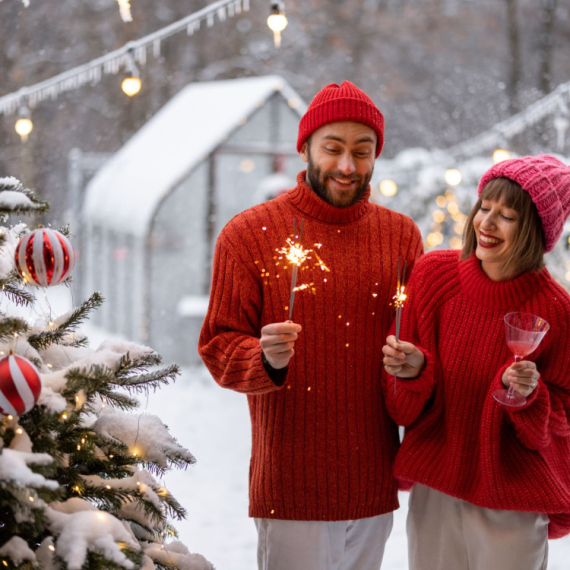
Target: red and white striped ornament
x,y
20,385
44,257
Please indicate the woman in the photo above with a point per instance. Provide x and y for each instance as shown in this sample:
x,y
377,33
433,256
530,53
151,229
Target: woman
x,y
491,483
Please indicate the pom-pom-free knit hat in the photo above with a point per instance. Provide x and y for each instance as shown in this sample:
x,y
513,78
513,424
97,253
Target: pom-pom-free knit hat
x,y
345,103
547,180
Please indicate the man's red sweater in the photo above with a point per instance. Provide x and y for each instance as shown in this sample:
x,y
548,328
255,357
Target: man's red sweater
x,y
323,444
458,439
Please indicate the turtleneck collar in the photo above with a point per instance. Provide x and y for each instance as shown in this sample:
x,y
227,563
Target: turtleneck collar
x,y
306,200
497,294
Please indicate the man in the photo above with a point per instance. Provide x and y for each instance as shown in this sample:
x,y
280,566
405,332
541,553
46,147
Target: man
x,y
321,486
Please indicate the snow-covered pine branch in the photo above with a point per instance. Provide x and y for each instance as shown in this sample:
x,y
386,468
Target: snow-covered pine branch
x,y
16,199
65,324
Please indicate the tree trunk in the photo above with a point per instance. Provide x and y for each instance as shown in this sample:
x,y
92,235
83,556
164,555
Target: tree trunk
x,y
514,55
546,42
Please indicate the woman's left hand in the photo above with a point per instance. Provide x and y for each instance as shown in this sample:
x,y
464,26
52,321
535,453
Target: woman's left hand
x,y
523,376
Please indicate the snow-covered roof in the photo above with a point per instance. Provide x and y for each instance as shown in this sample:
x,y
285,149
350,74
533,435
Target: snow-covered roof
x,y
126,191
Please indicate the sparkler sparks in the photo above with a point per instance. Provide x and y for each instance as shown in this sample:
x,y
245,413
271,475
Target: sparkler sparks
x,y
399,299
295,252
296,255
306,286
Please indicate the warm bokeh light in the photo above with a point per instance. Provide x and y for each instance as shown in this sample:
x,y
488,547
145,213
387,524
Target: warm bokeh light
x,y
452,208
247,165
501,154
453,177
455,243
441,201
438,216
388,188
434,239
131,86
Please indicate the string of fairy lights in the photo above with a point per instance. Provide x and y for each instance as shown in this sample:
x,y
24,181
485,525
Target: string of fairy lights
x,y
447,214
447,209
126,58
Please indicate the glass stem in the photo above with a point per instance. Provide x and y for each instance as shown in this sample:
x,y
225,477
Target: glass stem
x,y
511,391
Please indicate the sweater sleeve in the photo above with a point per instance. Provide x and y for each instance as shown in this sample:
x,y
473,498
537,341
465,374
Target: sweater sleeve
x,y
229,340
407,401
547,411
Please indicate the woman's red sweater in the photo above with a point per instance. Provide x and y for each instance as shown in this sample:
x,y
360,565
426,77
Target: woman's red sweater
x,y
458,439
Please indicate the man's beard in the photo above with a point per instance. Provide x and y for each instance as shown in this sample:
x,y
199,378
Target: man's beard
x,y
317,182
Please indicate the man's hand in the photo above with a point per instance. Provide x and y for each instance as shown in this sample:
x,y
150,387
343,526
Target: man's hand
x,y
278,341
402,359
523,376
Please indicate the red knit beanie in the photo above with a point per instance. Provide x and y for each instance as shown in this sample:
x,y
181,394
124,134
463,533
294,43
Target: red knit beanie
x,y
344,103
547,180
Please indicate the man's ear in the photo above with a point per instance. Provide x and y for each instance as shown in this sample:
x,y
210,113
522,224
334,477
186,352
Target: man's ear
x,y
304,152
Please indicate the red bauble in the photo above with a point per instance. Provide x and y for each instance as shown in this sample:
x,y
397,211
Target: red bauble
x,y
20,385
44,257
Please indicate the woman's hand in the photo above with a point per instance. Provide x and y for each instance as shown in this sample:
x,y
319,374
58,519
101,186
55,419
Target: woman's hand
x,y
523,376
402,358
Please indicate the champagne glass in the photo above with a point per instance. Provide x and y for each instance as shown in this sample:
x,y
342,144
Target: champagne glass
x,y
524,333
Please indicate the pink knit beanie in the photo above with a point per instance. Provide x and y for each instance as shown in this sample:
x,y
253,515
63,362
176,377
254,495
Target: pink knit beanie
x,y
547,180
345,103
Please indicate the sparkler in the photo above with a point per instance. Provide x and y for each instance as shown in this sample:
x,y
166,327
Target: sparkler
x,y
399,299
296,255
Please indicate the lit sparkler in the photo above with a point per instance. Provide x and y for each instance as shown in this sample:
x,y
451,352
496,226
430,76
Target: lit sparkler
x,y
296,255
399,299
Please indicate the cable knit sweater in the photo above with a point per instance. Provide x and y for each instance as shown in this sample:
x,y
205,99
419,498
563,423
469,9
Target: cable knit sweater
x,y
323,444
458,439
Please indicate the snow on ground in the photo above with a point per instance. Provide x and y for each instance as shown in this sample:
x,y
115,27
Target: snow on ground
x,y
213,424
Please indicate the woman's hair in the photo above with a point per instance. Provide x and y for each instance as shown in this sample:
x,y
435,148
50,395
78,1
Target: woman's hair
x,y
529,243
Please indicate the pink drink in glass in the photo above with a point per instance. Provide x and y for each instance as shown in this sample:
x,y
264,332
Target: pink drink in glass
x,y
524,332
521,348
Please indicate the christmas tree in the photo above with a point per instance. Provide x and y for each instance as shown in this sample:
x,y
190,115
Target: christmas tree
x,y
78,469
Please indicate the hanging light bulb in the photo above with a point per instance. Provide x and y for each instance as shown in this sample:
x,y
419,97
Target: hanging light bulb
x,y
24,124
277,21
131,86
125,10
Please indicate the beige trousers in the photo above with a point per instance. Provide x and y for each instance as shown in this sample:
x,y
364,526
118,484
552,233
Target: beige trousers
x,y
445,533
315,545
